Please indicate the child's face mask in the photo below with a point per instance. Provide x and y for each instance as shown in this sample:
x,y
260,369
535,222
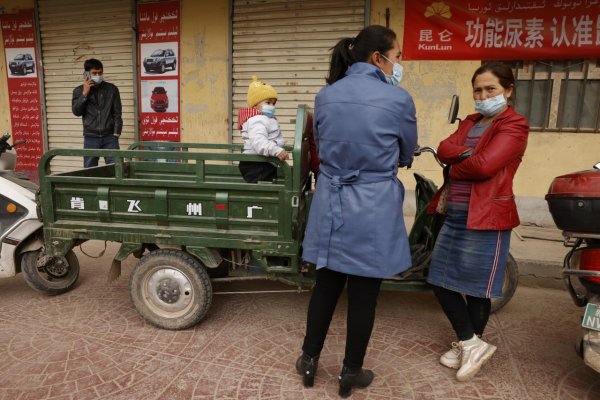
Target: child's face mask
x,y
268,110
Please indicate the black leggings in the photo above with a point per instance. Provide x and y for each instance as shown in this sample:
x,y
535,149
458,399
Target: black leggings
x,y
468,316
362,300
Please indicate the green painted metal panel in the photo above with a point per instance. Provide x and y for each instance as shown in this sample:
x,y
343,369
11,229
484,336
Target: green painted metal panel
x,y
103,198
221,210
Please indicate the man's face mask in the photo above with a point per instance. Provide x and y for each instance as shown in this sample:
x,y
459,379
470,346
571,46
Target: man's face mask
x,y
397,73
97,79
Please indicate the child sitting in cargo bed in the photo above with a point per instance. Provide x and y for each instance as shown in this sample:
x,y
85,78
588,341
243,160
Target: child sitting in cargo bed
x,y
261,133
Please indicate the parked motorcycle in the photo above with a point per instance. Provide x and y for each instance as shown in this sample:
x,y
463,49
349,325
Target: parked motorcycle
x,y
21,230
574,202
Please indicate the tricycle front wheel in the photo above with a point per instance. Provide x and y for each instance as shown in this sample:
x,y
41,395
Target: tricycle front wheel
x,y
50,275
170,289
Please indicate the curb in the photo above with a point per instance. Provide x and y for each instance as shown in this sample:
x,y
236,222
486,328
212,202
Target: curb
x,y
534,273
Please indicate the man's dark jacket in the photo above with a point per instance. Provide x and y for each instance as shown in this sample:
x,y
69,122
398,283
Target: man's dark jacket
x,y
101,110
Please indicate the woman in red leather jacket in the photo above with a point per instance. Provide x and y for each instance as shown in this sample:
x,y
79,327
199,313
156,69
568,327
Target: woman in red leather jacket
x,y
467,266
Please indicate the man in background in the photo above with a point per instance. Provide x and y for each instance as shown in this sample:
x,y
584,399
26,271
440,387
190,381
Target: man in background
x,y
99,104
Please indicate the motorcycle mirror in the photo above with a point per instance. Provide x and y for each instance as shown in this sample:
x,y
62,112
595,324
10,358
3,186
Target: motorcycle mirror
x,y
453,111
597,166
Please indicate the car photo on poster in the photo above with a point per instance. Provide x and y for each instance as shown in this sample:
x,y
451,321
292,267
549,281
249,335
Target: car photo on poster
x,y
159,59
159,101
21,62
159,95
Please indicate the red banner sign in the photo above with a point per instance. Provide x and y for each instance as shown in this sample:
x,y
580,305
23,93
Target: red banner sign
x,y
18,33
501,30
158,47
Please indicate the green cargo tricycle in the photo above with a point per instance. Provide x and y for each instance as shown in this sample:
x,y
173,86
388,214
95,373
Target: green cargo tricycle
x,y
195,220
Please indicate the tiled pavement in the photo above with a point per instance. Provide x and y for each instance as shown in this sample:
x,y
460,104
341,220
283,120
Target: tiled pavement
x,y
91,344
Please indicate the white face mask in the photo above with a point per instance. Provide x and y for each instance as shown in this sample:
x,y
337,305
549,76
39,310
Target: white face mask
x,y
97,78
268,110
490,107
397,73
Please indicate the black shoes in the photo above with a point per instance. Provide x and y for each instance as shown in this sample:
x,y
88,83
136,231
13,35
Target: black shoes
x,y
349,378
307,367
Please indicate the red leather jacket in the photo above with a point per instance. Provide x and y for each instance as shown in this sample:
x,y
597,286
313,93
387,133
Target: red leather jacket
x,y
491,167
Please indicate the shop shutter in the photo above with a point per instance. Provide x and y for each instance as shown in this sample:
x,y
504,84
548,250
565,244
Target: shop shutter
x,y
286,44
71,32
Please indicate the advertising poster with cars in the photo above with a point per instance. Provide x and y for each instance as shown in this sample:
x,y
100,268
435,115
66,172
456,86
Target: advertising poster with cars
x,y
158,49
19,36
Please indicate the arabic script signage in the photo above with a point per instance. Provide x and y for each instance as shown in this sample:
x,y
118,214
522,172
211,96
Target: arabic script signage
x,y
501,30
18,35
158,45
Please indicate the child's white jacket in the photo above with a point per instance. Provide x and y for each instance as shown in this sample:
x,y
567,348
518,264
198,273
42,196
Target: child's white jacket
x,y
262,136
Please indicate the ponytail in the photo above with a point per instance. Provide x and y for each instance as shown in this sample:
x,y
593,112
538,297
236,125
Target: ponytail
x,y
348,51
341,59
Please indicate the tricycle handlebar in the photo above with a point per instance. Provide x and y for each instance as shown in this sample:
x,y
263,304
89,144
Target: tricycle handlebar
x,y
4,145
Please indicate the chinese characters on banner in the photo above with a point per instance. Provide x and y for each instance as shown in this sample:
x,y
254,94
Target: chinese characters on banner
x,y
158,47
19,36
501,30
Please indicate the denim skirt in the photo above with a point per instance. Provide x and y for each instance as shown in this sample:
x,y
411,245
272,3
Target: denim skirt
x,y
469,261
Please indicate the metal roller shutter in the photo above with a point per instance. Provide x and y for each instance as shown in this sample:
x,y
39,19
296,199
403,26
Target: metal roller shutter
x,y
286,44
71,32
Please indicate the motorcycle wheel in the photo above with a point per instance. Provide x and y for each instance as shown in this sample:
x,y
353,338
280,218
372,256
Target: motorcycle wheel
x,y
509,286
55,276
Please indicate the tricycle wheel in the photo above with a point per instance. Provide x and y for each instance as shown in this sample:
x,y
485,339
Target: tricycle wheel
x,y
170,289
50,275
509,286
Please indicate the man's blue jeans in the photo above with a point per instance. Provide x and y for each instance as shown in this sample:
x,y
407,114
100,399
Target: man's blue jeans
x,y
101,142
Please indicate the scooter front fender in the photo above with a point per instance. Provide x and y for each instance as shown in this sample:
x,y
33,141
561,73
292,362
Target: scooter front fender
x,y
7,260
20,239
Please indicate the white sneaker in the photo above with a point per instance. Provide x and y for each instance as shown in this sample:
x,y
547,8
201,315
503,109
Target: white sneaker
x,y
451,358
474,353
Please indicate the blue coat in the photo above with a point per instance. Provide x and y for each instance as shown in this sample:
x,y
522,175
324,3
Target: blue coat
x,y
363,127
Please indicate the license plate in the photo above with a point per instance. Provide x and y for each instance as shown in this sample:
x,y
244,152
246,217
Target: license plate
x,y
591,318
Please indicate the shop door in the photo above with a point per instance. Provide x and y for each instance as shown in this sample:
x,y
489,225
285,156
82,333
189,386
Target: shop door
x,y
287,45
73,31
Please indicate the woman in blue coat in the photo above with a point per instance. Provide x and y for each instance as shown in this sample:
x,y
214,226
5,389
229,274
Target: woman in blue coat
x,y
365,127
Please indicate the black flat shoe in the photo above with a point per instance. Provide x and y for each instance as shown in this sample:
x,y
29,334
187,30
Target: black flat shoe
x,y
307,367
359,378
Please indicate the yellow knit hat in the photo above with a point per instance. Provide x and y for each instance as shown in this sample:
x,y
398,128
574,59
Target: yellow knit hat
x,y
258,91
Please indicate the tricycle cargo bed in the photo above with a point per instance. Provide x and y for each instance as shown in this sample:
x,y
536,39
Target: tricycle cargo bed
x,y
151,198
200,200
